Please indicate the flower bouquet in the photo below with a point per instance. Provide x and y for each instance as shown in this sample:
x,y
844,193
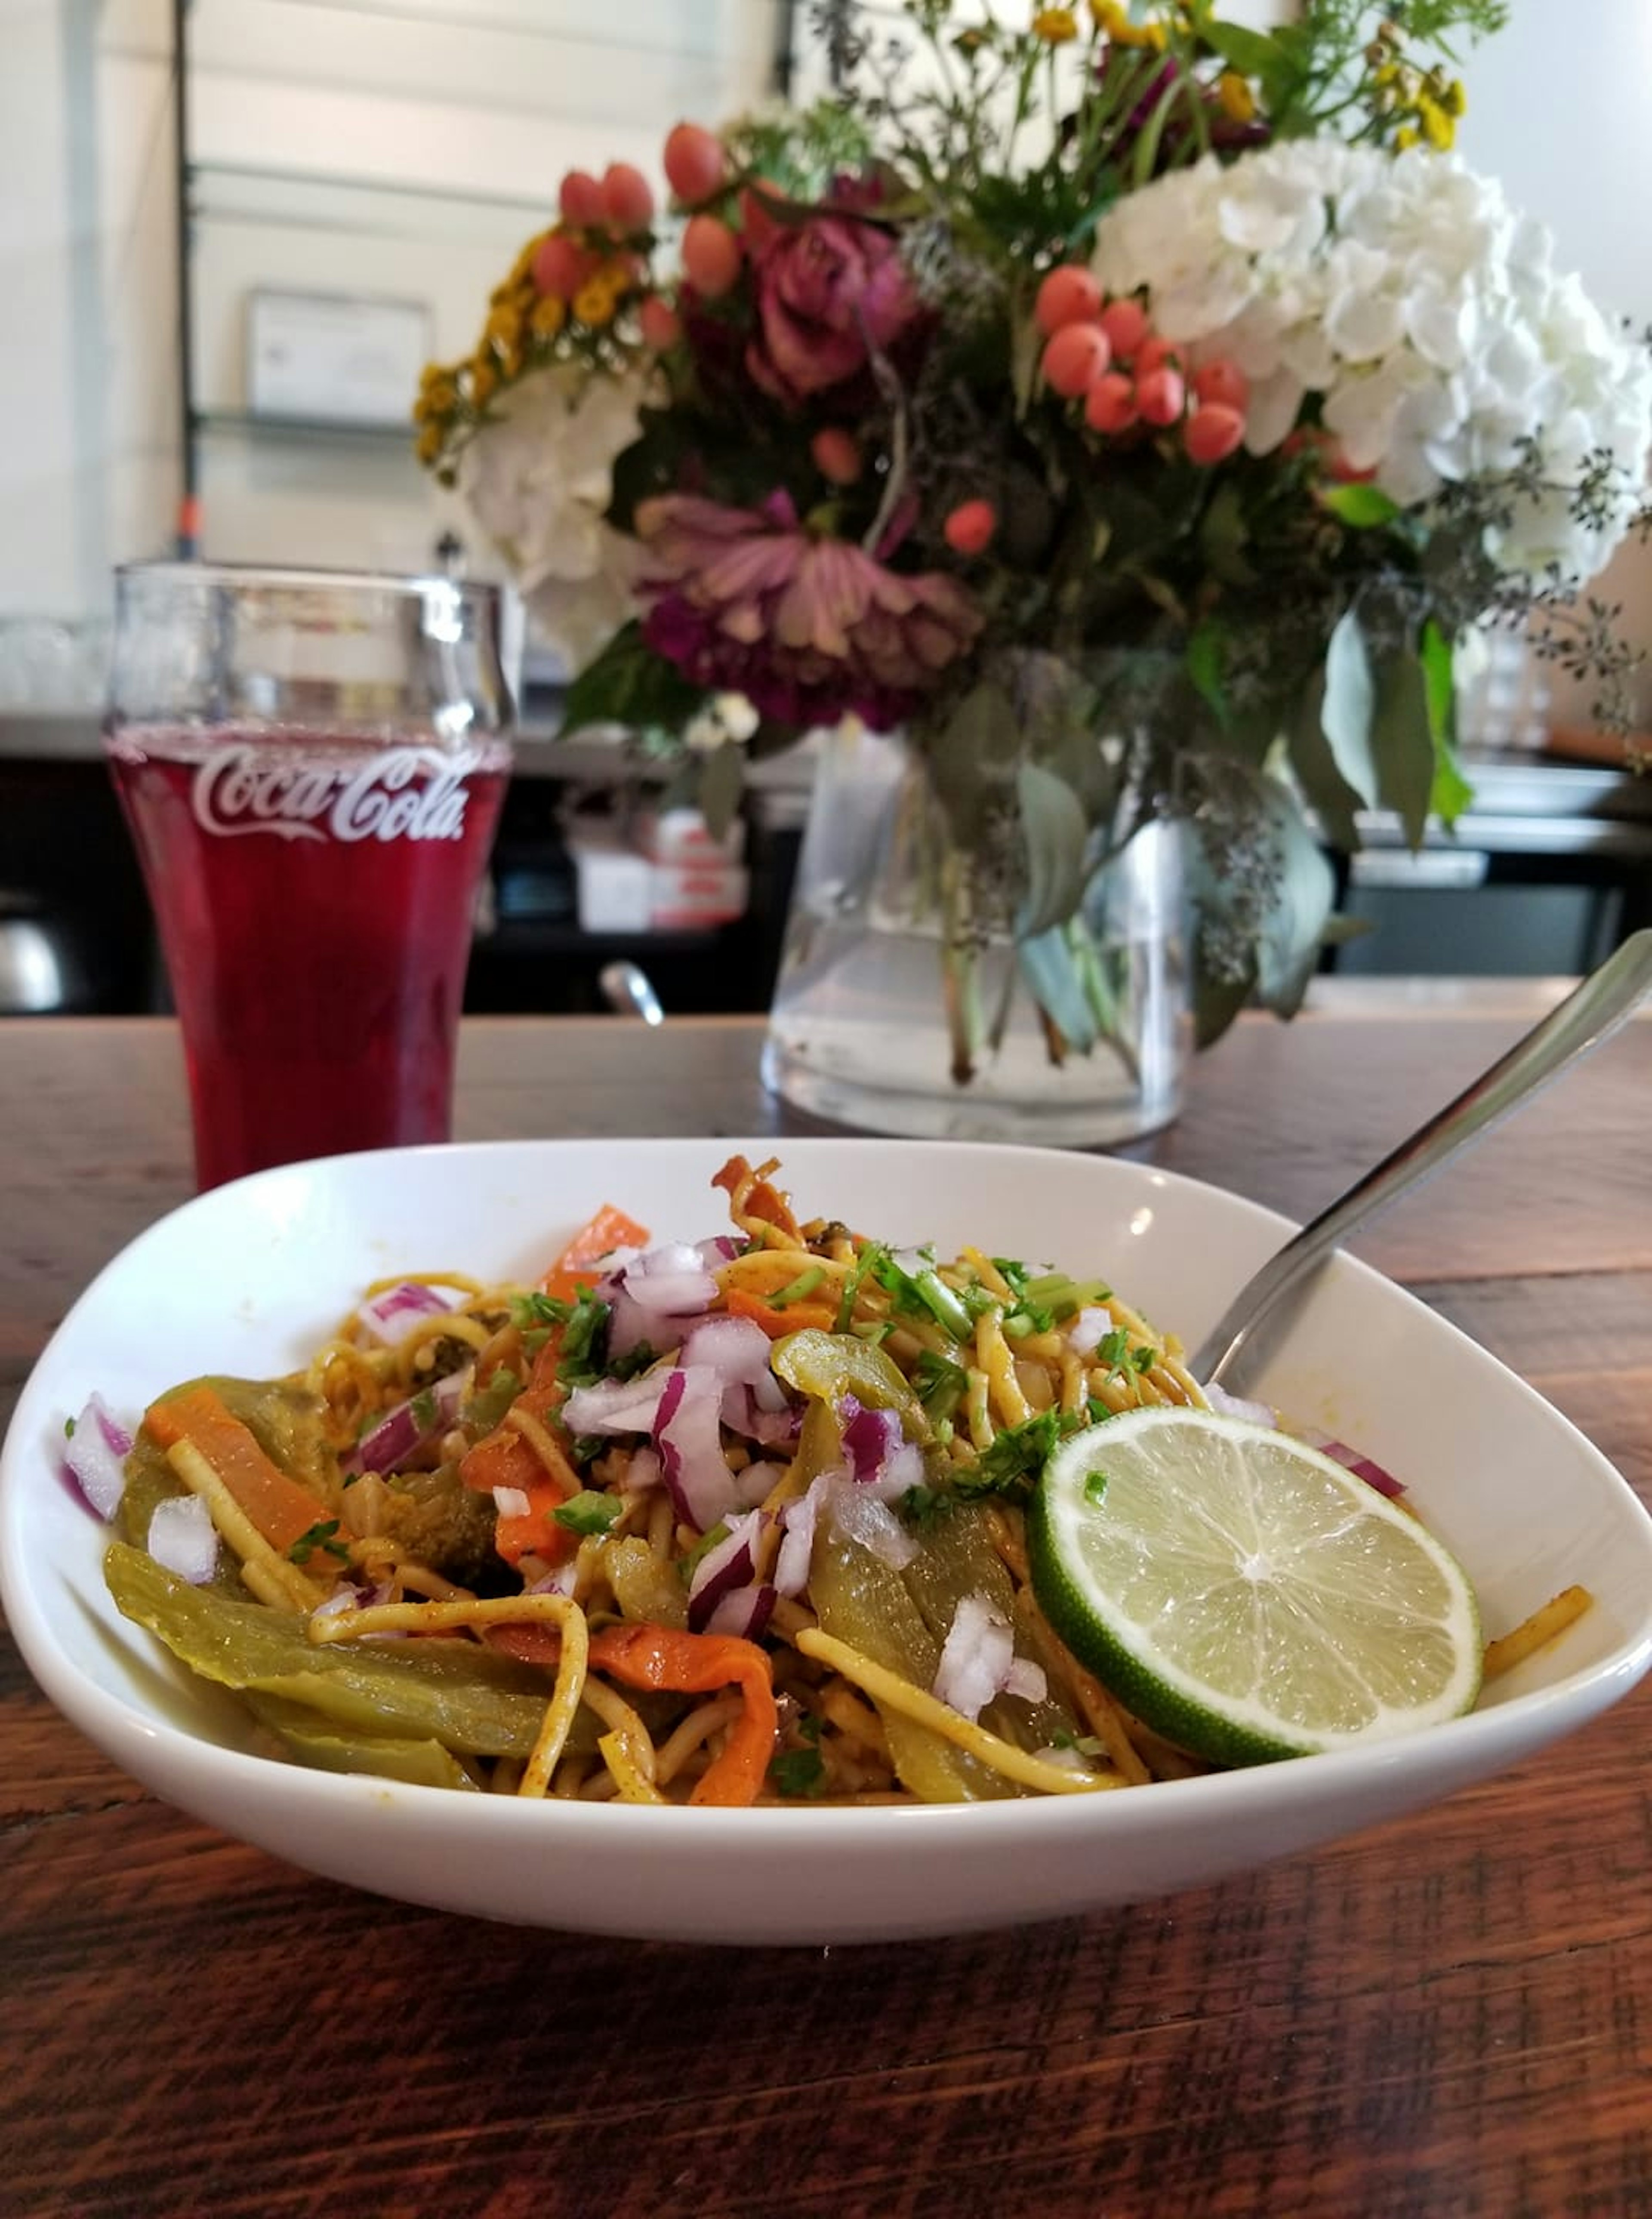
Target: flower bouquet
x,y
1138,416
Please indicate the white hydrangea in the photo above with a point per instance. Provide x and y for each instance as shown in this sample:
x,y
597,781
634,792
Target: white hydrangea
x,y
537,480
1421,310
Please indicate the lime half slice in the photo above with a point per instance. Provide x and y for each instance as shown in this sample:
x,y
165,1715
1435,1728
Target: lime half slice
x,y
1245,1596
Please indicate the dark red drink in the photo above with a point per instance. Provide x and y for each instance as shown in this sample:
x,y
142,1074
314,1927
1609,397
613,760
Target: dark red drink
x,y
315,897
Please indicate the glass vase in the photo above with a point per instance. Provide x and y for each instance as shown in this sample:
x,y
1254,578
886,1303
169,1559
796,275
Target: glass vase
x,y
906,1003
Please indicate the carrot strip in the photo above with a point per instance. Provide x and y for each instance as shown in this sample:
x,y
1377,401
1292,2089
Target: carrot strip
x,y
503,1459
740,1302
281,1510
610,1229
694,1664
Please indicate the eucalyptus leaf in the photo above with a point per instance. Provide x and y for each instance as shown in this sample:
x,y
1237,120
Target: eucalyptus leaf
x,y
721,780
1362,507
1347,706
1288,948
1403,744
1327,791
967,758
1451,792
629,684
1055,974
1055,832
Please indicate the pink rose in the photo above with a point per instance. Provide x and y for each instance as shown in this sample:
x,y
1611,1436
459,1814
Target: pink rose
x,y
828,292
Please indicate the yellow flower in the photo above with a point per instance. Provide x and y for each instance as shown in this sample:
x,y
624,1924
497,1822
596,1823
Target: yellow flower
x,y
547,316
432,373
595,302
1113,18
1236,98
1454,100
1437,124
1405,137
1057,27
504,327
483,379
429,443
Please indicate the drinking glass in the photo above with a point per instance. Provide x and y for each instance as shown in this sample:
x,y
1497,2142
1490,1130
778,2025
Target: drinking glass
x,y
311,765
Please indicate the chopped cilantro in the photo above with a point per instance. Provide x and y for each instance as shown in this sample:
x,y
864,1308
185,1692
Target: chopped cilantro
x,y
634,1361
1114,1348
589,1512
795,1290
1013,1459
798,1772
925,1507
1013,1274
1095,1487
1145,1358
585,1448
922,1293
536,1311
941,1385
68,1429
1085,1745
585,1335
318,1536
424,1409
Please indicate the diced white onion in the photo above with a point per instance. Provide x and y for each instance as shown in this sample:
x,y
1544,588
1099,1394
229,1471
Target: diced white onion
x,y
183,1537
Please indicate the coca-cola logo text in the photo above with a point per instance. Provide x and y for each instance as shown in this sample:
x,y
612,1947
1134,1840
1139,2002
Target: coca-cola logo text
x,y
243,790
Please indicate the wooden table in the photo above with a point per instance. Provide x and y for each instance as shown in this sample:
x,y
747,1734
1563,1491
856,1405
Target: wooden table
x,y
1452,2014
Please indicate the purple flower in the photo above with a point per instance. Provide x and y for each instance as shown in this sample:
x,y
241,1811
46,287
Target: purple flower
x,y
831,293
808,629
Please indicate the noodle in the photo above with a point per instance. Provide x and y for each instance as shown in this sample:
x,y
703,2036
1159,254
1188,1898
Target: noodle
x,y
723,1666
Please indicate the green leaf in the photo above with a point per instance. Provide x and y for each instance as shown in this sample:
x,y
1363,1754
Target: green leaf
x,y
1346,711
1053,835
1252,53
1402,741
589,1512
1364,507
965,757
1206,663
1450,793
629,684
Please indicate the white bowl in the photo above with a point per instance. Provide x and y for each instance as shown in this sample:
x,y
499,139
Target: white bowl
x,y
248,1279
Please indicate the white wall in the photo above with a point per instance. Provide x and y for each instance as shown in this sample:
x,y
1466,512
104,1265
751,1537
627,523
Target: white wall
x,y
490,98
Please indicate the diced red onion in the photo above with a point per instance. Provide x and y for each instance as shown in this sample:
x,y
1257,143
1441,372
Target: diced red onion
x,y
1362,1466
736,1348
1027,1679
860,1516
642,1472
1235,1405
616,1406
1087,1330
183,1537
753,1485
732,1564
512,1501
651,1296
775,1429
399,1435
391,1316
798,1521
687,1432
743,1611
95,1456
881,1459
714,1253
977,1657
561,1579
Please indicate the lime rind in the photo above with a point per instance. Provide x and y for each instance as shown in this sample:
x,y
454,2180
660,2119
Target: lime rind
x,y
1245,1596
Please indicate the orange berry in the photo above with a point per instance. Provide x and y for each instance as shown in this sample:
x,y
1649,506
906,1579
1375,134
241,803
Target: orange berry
x,y
1213,432
1068,295
627,199
969,528
711,257
1161,395
580,201
1155,353
560,267
837,455
1224,381
1124,323
1110,403
1074,359
695,163
661,323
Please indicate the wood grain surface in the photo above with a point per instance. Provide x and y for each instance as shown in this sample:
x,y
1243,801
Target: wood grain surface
x,y
1448,2015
